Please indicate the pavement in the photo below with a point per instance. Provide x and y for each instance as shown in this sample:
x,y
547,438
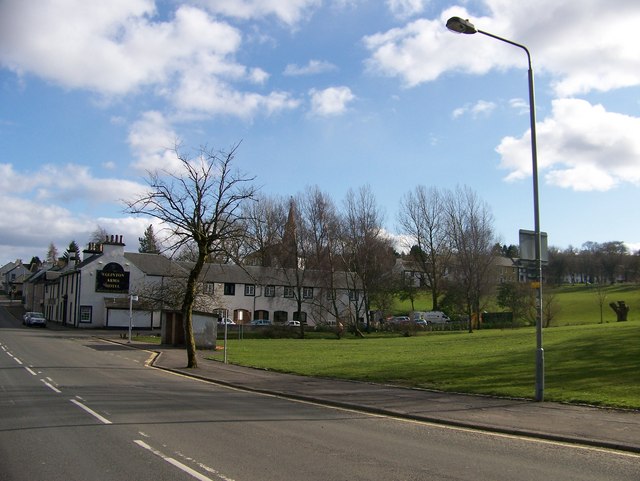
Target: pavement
x,y
569,423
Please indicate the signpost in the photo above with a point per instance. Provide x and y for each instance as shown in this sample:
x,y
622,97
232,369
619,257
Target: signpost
x,y
131,299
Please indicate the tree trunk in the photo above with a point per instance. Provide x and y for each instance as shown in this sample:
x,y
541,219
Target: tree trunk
x,y
187,312
621,309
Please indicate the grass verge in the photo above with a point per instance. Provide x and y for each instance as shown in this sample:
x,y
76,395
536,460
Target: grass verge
x,y
594,364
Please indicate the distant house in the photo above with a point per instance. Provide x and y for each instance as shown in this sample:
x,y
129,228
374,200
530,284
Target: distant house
x,y
505,269
12,277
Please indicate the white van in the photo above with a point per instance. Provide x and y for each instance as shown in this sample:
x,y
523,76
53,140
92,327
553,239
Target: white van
x,y
436,317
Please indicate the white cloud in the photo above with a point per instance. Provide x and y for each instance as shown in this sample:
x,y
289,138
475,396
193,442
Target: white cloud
x,y
423,50
258,76
312,68
287,11
210,95
111,48
406,8
482,108
119,47
57,204
330,101
153,143
75,183
521,105
580,146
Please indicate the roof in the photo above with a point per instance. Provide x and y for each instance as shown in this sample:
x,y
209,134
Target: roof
x,y
236,274
156,265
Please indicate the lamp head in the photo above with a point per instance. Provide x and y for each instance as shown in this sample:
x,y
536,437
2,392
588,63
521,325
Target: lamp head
x,y
460,25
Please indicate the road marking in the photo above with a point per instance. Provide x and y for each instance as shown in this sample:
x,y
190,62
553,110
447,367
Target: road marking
x,y
206,468
51,386
30,371
91,411
174,462
17,360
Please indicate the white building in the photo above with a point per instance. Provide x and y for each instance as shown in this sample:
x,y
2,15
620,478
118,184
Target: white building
x,y
109,287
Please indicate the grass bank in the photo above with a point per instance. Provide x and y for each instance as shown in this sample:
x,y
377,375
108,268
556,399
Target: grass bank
x,y
574,304
597,364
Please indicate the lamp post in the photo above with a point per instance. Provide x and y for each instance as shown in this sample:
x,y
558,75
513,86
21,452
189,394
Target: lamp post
x,y
459,25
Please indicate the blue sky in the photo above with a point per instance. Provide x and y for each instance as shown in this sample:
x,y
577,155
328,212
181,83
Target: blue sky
x,y
334,93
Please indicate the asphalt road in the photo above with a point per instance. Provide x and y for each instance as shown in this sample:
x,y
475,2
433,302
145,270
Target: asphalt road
x,y
73,407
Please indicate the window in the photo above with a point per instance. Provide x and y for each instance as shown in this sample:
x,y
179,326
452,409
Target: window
x,y
208,287
229,289
85,314
353,295
269,291
331,295
288,292
307,292
249,290
302,317
280,317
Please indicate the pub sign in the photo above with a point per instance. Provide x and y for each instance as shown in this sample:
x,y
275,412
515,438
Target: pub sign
x,y
112,278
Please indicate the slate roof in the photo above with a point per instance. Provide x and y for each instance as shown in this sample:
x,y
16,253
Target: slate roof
x,y
266,275
156,265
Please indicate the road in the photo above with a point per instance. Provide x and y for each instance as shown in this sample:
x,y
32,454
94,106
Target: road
x,y
74,407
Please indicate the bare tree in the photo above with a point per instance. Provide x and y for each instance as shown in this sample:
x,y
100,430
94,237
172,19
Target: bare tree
x,y
470,225
99,235
52,254
422,219
600,292
550,308
265,220
320,221
367,252
201,203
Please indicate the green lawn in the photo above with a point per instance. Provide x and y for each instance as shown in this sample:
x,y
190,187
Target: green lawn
x,y
597,364
577,304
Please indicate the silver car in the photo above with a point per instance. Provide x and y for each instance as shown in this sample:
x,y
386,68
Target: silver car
x,y
35,319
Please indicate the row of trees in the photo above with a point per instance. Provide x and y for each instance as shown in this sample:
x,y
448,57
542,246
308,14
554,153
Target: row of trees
x,y
215,213
595,263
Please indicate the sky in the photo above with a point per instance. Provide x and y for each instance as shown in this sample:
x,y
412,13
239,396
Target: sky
x,y
337,94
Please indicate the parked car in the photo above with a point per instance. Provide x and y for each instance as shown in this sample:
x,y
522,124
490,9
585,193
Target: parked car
x,y
35,319
27,315
226,320
436,317
292,323
421,323
261,322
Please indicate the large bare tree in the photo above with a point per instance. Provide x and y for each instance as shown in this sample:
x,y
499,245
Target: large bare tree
x,y
265,220
368,253
422,218
201,204
470,225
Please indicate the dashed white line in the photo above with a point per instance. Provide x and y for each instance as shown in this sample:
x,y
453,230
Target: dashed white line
x,y
91,411
30,371
173,461
51,386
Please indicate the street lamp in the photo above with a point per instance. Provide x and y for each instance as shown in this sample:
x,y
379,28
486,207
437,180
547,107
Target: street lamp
x,y
460,25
